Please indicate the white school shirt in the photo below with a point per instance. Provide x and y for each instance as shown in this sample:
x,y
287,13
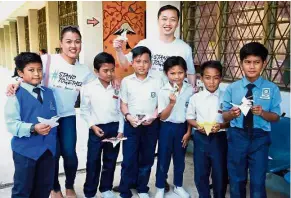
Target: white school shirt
x,y
100,105
161,51
178,113
205,106
141,96
66,80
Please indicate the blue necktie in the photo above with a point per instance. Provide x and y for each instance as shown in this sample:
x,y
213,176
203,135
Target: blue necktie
x,y
37,91
249,118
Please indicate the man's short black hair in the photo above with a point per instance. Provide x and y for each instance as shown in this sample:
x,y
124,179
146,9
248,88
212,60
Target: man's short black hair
x,y
168,7
211,64
255,49
173,61
140,50
23,59
102,58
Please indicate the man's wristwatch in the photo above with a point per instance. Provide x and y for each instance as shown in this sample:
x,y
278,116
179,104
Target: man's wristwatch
x,y
125,116
32,129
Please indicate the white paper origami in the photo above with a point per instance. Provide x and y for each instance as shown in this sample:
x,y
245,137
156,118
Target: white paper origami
x,y
175,89
51,122
114,140
123,36
245,105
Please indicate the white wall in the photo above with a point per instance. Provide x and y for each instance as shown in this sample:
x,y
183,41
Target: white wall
x,y
92,37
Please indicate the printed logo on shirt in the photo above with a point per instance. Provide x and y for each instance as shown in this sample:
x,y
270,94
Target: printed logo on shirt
x,y
52,107
265,93
153,94
158,61
64,80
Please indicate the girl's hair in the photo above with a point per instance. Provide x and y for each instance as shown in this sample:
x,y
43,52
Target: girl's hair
x,y
73,29
174,61
23,59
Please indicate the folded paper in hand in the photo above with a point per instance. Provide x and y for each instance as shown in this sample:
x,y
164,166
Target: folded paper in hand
x,y
51,122
245,105
114,140
207,126
175,89
123,36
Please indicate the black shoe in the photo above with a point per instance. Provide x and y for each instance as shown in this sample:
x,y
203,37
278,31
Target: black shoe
x,y
115,188
167,186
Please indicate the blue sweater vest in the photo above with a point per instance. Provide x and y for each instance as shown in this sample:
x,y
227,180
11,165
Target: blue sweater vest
x,y
30,108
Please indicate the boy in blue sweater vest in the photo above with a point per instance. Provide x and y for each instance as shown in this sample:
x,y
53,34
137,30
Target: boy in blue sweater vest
x,y
33,144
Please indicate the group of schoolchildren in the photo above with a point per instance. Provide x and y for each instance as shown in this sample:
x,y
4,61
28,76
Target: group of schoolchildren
x,y
147,111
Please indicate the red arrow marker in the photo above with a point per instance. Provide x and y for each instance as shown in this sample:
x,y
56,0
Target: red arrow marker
x,y
92,21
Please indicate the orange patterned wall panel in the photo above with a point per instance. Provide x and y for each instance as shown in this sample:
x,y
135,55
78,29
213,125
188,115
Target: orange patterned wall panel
x,y
118,17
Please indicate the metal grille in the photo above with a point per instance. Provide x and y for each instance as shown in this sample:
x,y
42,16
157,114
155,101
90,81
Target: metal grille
x,y
42,34
26,33
217,31
68,13
16,34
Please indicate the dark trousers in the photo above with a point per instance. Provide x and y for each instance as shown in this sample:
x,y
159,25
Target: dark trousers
x,y
247,149
33,179
210,156
170,138
138,157
93,165
66,147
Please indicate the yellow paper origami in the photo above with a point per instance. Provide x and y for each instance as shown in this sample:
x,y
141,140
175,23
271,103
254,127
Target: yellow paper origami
x,y
207,126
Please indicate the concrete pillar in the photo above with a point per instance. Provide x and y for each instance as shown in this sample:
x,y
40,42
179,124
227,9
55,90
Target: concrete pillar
x,y
92,36
153,7
13,43
33,30
2,48
21,34
52,26
8,62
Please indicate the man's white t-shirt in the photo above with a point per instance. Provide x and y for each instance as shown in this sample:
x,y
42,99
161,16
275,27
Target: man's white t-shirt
x,y
66,80
161,51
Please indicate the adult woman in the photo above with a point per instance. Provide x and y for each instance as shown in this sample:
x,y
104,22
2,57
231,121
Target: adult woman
x,y
65,76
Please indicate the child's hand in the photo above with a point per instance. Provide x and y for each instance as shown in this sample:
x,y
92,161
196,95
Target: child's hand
x,y
119,135
200,129
11,89
215,128
42,129
257,110
172,98
185,139
133,120
148,121
235,112
98,131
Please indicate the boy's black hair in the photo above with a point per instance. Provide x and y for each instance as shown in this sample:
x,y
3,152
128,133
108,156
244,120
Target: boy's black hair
x,y
140,50
211,64
73,29
255,49
173,61
23,59
168,7
43,51
102,58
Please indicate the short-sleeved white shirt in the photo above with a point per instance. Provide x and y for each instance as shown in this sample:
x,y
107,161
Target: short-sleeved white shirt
x,y
141,96
161,51
178,113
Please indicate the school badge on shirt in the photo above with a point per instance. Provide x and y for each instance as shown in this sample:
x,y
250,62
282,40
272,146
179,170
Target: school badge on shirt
x,y
153,94
52,107
116,92
265,94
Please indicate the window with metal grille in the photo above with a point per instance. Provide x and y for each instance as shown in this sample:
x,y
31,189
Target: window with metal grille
x,y
42,34
67,13
26,33
217,31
